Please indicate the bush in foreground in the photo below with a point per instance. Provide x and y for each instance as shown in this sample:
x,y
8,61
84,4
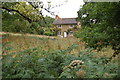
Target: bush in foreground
x,y
35,63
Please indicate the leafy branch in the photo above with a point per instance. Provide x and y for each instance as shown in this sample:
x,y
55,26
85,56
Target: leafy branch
x,y
9,10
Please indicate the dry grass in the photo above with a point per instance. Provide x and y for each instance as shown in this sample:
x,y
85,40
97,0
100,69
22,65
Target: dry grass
x,y
19,43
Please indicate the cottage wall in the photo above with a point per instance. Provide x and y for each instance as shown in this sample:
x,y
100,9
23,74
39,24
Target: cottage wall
x,y
64,28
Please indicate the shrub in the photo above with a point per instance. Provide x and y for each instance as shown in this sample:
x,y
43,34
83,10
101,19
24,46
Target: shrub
x,y
48,33
91,68
41,31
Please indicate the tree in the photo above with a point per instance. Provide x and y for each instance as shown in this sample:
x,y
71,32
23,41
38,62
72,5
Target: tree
x,y
100,25
48,23
30,11
20,16
26,11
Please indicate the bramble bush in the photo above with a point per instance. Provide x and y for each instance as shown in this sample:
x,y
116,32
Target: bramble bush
x,y
36,63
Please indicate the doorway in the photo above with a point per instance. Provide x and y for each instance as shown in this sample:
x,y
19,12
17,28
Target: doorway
x,y
65,34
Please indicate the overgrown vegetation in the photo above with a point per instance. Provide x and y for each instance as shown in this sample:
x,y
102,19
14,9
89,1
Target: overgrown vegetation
x,y
38,63
34,57
35,63
23,42
15,23
100,25
18,17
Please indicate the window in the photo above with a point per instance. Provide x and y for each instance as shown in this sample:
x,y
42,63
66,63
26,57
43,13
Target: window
x,y
59,26
59,32
71,26
71,33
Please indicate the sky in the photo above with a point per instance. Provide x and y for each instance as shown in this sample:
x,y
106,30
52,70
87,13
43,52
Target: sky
x,y
67,10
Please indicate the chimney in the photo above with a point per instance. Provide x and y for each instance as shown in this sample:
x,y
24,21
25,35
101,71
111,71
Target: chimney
x,y
57,17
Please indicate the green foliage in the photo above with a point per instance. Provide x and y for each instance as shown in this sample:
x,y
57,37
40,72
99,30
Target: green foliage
x,y
40,31
100,24
91,68
37,63
55,31
48,32
69,30
26,11
14,23
18,22
48,21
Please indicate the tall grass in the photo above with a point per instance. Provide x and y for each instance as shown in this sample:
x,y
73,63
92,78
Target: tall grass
x,y
34,57
19,43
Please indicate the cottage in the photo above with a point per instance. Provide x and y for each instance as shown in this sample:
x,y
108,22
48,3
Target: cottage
x,y
66,26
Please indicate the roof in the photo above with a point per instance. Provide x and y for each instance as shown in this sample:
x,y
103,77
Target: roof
x,y
65,21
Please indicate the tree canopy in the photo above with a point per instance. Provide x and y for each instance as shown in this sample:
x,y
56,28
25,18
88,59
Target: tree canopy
x,y
30,11
100,25
26,17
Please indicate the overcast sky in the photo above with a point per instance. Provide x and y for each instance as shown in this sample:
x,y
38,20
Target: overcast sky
x,y
67,10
